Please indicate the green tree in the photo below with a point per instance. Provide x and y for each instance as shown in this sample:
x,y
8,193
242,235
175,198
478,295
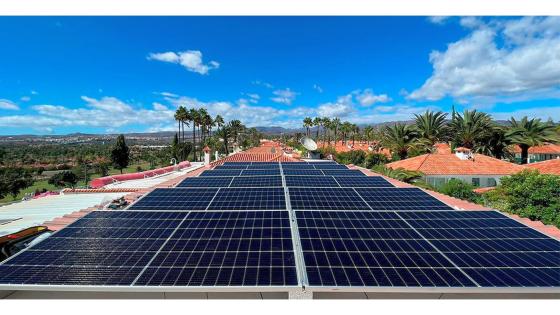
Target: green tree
x,y
64,179
431,126
307,123
459,189
470,129
120,155
13,180
530,132
400,139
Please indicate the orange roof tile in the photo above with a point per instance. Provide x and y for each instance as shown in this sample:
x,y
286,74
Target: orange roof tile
x,y
543,149
546,167
450,164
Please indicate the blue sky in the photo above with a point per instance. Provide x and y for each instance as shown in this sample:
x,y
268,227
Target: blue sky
x,y
128,74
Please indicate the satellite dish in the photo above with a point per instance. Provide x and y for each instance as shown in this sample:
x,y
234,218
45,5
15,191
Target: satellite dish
x,y
308,143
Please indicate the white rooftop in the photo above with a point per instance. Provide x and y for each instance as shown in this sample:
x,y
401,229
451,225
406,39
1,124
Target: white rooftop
x,y
153,181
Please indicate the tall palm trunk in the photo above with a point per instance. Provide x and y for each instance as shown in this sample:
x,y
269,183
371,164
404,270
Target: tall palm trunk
x,y
194,140
524,153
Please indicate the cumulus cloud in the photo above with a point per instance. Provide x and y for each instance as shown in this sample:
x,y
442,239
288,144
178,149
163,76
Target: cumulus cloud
x,y
497,59
190,59
343,107
368,98
285,96
263,83
438,19
159,106
9,105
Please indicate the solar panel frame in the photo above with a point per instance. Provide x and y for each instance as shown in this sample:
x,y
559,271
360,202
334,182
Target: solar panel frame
x,y
340,172
184,199
261,172
205,181
362,182
325,198
226,173
257,181
400,199
258,198
303,172
310,181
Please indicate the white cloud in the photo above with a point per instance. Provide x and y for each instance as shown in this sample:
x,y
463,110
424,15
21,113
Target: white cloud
x,y
343,107
368,98
438,19
544,113
9,105
166,94
33,92
159,106
498,59
190,59
470,22
285,96
317,88
25,98
263,83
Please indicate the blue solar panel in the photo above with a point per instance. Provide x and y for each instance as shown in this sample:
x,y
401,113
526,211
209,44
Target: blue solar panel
x,y
206,181
305,172
354,249
346,172
326,199
249,199
260,172
257,181
400,199
362,181
227,172
275,166
176,199
311,181
231,167
297,166
227,249
330,166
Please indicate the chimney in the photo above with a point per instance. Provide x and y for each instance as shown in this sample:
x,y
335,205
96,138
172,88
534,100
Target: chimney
x,y
206,155
463,153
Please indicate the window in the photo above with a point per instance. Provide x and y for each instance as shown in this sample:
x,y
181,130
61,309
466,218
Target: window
x,y
476,181
491,182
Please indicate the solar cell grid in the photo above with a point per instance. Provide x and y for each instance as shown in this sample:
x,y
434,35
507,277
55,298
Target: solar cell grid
x,y
326,199
249,199
330,166
260,172
221,172
231,167
346,172
359,181
263,167
311,181
200,182
306,172
176,199
400,199
257,181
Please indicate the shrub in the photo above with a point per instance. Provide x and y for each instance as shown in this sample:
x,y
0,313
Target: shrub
x,y
459,189
398,174
64,179
373,159
356,157
528,194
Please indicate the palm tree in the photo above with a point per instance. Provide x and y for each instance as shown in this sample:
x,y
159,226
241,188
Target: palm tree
x,y
317,123
178,118
496,143
400,139
235,127
193,117
325,123
530,132
345,128
307,123
335,124
431,126
355,129
471,129
368,130
219,121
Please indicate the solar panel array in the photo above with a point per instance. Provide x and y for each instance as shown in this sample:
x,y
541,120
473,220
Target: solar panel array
x,y
318,225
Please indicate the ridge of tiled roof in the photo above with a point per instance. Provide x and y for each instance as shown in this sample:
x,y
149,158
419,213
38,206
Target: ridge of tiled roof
x,y
546,167
450,164
548,148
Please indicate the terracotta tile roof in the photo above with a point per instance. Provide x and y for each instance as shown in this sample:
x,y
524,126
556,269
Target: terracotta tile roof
x,y
358,145
546,167
450,164
548,148
269,151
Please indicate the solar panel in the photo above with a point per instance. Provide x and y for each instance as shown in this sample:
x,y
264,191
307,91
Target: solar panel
x,y
326,199
359,181
341,172
400,199
205,249
311,181
263,166
302,172
491,248
176,199
368,249
330,166
206,181
226,249
297,166
237,163
257,181
249,199
228,172
260,172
